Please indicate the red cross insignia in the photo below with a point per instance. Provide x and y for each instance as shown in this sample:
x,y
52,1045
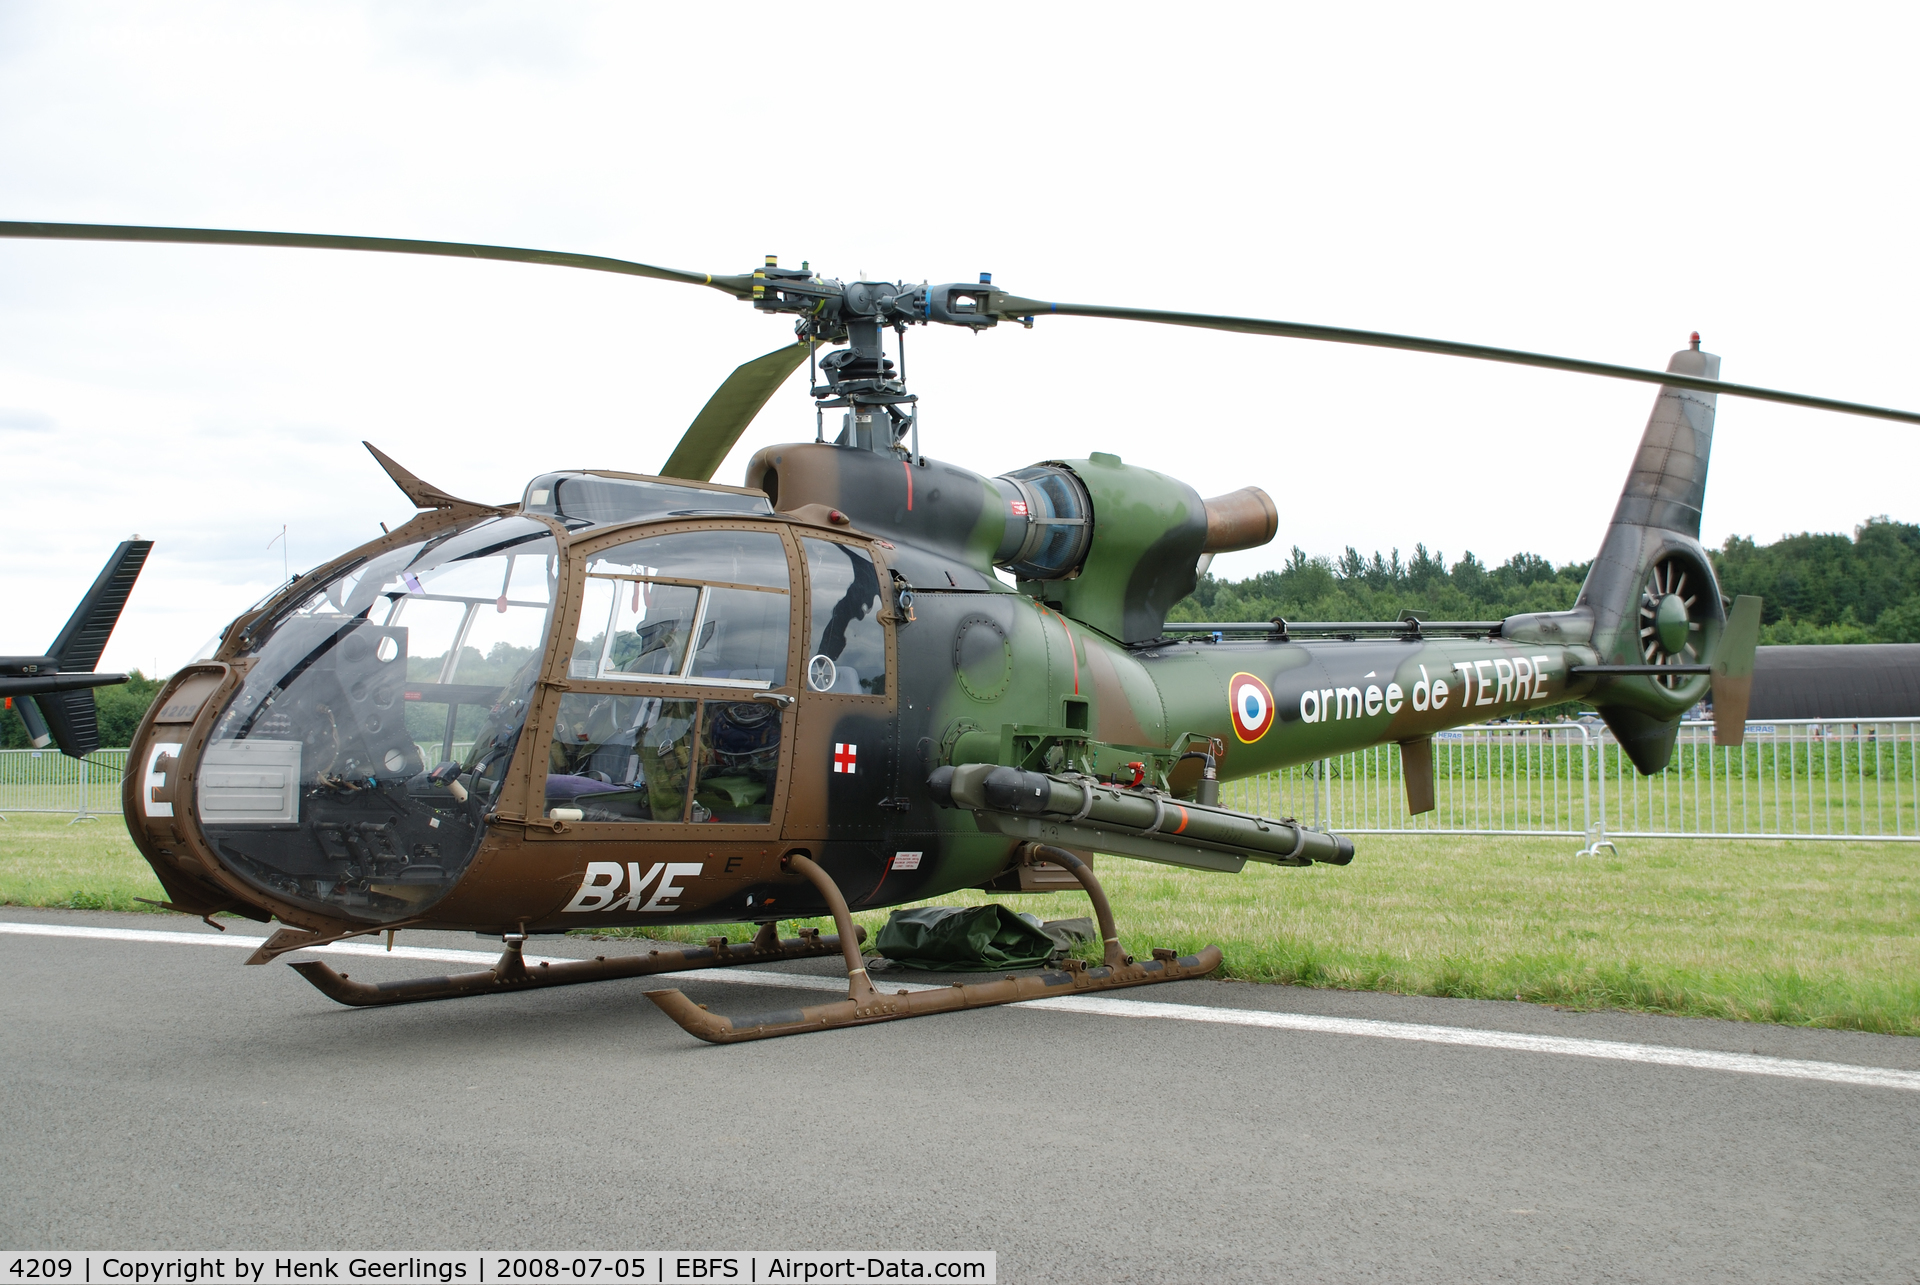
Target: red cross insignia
x,y
843,757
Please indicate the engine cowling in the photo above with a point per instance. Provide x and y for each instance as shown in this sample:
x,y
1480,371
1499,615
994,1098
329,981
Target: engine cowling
x,y
1110,544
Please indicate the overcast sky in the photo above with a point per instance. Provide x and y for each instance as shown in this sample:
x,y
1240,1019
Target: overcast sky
x,y
1592,181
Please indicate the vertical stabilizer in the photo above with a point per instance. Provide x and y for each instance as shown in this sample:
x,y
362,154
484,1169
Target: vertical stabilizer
x,y
1652,591
79,645
1668,482
72,717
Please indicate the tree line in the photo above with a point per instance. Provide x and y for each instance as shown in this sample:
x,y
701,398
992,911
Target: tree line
x,y
119,710
1816,589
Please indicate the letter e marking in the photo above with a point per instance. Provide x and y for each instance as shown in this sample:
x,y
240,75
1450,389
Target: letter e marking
x,y
668,890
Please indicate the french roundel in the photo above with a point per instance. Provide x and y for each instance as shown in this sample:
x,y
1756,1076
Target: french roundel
x,y
1252,707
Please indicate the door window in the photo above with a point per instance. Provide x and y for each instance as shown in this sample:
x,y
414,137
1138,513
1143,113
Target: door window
x,y
706,606
643,758
848,652
738,762
622,758
634,629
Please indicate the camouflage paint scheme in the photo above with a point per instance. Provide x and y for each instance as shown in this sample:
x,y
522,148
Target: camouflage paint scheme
x,y
1068,673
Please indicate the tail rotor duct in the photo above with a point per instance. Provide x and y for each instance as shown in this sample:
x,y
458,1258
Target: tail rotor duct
x,y
1672,616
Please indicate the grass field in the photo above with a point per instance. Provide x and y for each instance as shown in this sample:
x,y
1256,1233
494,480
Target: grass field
x,y
89,866
1805,933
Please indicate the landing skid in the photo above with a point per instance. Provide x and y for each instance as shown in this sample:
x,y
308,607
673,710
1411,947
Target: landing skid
x,y
512,974
865,1005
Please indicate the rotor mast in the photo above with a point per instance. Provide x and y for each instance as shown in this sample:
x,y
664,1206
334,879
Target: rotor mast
x,y
860,379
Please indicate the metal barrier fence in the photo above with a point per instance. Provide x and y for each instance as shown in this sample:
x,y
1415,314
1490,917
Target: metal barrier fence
x,y
1501,779
1793,779
1798,779
49,781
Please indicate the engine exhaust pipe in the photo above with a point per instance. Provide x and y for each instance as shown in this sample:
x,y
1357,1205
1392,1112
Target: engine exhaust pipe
x,y
1242,519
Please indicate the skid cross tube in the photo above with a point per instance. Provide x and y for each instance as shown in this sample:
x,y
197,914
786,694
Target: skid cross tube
x,y
1102,908
512,974
865,1006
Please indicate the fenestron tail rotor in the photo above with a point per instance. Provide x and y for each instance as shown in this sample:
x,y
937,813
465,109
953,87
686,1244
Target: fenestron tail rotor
x,y
1672,618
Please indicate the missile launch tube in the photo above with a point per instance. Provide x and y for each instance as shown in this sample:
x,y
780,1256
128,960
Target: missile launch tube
x,y
986,787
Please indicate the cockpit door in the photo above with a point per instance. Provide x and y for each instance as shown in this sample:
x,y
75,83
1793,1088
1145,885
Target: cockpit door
x,y
846,725
674,722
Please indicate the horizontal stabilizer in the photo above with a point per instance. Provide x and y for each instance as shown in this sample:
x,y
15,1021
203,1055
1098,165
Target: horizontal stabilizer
x,y
55,681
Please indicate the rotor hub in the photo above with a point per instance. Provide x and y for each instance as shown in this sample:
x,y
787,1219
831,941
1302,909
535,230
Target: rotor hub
x,y
1670,622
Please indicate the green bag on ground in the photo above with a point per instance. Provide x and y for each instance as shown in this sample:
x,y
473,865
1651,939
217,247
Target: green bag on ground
x,y
964,939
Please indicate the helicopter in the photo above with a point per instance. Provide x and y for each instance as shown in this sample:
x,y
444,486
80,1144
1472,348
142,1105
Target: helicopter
x,y
628,699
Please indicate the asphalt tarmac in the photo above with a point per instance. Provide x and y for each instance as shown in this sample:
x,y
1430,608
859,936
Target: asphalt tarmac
x,y
164,1096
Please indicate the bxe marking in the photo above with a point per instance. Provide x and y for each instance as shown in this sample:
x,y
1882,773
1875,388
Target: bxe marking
x,y
599,889
1252,705
843,757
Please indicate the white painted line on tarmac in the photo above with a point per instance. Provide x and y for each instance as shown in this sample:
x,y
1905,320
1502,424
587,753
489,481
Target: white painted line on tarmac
x,y
1104,1006
486,958
1564,1045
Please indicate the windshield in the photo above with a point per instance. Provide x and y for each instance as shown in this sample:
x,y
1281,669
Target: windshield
x,y
355,764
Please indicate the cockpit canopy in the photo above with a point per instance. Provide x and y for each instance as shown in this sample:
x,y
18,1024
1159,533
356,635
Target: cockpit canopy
x,y
352,768
593,498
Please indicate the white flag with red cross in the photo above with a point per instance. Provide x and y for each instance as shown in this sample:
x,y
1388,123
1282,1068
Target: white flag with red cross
x,y
843,757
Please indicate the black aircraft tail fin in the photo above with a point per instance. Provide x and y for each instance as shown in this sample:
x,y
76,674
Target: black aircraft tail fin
x,y
77,649
72,717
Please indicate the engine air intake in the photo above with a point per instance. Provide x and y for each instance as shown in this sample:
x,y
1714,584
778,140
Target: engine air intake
x,y
1050,522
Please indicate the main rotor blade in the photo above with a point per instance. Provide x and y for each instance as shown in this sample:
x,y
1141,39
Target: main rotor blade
x,y
738,287
1010,307
728,412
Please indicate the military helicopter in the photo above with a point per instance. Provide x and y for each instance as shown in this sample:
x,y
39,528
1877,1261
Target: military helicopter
x,y
628,699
